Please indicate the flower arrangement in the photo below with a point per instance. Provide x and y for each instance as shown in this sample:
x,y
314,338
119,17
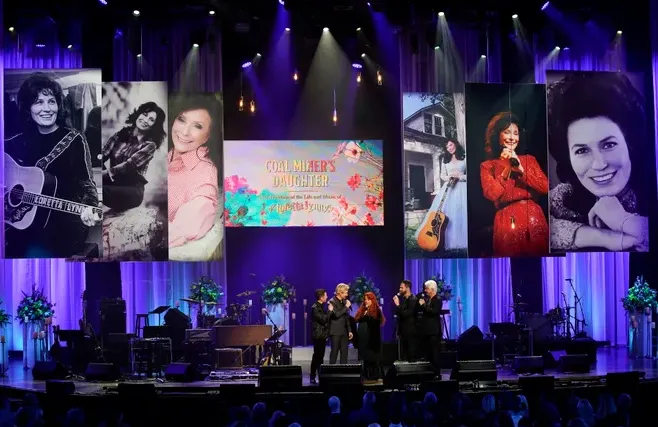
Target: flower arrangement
x,y
35,307
206,289
278,291
640,297
359,286
443,289
5,318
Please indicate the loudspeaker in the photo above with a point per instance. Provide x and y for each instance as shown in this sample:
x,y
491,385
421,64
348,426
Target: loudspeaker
x,y
339,375
474,370
537,385
575,364
585,346
237,393
471,334
43,371
60,387
177,319
140,390
447,359
528,365
181,372
405,373
280,378
102,372
623,382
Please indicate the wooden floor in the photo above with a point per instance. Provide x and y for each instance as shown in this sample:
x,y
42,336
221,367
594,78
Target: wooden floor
x,y
609,360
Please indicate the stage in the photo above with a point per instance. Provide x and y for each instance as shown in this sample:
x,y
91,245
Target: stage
x,y
609,360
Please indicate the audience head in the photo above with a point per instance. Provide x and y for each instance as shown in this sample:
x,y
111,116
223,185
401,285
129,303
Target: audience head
x,y
578,422
369,399
607,406
334,404
624,402
488,404
75,418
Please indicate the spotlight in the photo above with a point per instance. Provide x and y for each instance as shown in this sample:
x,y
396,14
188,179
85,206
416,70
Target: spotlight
x,y
566,48
557,47
437,47
483,56
358,29
287,30
69,46
252,107
195,45
325,29
545,5
334,118
136,12
441,14
281,2
246,64
380,79
515,16
40,45
258,55
241,103
295,76
357,66
363,55
139,55
358,79
11,29
211,12
619,32
103,2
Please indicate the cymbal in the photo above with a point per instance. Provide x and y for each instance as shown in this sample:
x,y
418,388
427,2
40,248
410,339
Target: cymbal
x,y
245,294
194,301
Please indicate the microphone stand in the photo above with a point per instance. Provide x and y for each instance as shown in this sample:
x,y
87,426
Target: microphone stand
x,y
569,317
578,303
274,346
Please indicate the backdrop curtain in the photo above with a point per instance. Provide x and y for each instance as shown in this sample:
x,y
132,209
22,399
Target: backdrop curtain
x,y
654,63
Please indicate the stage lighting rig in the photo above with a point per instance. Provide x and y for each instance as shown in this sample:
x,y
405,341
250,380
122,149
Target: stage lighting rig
x,y
380,78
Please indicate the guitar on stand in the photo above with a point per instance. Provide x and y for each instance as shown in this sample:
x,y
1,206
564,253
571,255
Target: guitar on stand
x,y
88,330
432,234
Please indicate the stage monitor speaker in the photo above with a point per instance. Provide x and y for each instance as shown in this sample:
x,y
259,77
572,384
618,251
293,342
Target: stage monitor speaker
x,y
102,372
43,371
181,372
537,385
60,387
474,370
139,390
472,334
402,374
332,376
447,359
280,378
623,382
583,346
528,365
237,393
575,364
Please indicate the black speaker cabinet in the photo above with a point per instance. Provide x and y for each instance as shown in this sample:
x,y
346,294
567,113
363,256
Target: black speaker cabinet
x,y
405,373
575,364
181,372
102,372
622,382
537,385
472,334
43,371
475,370
528,365
59,387
280,378
332,376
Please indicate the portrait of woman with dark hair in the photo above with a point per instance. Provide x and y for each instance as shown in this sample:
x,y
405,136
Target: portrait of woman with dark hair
x,y
512,182
51,197
597,132
450,200
127,155
194,171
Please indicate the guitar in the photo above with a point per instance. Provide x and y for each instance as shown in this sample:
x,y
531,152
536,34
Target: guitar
x,y
432,233
88,329
29,188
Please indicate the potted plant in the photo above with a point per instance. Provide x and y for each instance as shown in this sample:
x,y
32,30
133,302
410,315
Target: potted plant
x,y
640,302
207,290
443,289
276,294
359,286
34,308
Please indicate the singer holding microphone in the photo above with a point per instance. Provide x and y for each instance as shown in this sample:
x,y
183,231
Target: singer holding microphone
x,y
370,319
512,182
429,310
340,330
319,331
405,303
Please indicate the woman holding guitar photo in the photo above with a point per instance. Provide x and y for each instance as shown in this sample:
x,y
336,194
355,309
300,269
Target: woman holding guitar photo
x,y
51,199
445,226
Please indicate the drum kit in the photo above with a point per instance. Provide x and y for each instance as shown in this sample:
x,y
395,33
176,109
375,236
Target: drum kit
x,y
209,313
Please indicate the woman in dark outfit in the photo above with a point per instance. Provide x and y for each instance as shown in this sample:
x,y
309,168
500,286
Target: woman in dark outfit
x,y
370,320
129,153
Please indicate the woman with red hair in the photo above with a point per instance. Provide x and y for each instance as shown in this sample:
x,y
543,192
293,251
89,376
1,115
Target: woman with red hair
x,y
370,319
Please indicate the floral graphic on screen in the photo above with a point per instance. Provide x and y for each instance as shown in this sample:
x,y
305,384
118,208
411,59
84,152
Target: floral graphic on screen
x,y
304,183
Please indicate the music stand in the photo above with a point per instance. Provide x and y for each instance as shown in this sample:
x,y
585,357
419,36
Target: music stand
x,y
159,311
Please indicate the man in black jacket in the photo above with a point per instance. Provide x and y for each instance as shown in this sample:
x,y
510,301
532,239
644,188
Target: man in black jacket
x,y
339,324
429,310
319,331
405,303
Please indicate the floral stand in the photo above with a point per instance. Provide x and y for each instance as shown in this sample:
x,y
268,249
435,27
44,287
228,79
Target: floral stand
x,y
280,314
640,340
446,320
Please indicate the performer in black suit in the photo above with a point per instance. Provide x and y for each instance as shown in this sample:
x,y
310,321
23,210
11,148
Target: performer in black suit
x,y
405,302
319,330
429,309
340,330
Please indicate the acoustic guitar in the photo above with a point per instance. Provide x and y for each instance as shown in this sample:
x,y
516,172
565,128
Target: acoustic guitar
x,y
432,233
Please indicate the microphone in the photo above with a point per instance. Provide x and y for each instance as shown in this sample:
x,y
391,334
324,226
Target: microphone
x,y
568,280
263,310
514,162
519,296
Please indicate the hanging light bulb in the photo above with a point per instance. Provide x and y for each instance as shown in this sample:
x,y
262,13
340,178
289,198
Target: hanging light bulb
x,y
241,103
380,80
252,106
512,223
358,78
295,76
335,117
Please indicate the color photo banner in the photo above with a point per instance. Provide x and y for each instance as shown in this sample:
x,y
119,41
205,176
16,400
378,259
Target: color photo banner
x,y
599,197
303,183
434,134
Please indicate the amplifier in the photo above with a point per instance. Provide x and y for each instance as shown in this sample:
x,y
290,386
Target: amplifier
x,y
228,358
198,335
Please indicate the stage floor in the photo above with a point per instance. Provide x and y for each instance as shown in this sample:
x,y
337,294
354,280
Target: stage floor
x,y
609,360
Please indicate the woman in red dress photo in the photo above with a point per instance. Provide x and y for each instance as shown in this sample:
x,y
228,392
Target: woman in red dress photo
x,y
513,182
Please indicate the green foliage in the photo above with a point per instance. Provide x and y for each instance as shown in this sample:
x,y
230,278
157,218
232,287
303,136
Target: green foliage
x,y
443,290
640,296
206,289
278,291
5,318
35,307
359,286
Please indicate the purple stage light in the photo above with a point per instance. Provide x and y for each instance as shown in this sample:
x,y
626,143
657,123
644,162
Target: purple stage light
x,y
281,2
357,66
545,5
103,2
41,45
246,64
